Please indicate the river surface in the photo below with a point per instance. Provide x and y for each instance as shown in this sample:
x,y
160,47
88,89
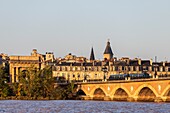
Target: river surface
x,y
71,106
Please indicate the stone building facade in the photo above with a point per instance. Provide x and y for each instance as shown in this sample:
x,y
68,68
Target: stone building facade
x,y
73,69
21,63
80,68
4,59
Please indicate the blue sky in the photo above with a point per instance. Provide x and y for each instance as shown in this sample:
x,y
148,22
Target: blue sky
x,y
135,28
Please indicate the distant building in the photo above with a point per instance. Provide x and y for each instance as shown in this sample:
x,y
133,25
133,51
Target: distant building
x,y
92,57
22,63
4,59
72,69
108,54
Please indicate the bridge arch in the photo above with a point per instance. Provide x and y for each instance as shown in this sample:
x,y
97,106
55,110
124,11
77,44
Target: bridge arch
x,y
145,86
99,94
82,89
98,87
80,92
117,88
120,94
146,93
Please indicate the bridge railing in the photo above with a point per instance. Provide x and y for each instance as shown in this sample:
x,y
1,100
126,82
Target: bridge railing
x,y
163,76
117,79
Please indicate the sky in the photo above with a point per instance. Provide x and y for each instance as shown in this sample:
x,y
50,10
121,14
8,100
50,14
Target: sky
x,y
136,28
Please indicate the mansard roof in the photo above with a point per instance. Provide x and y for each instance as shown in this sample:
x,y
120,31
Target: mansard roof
x,y
63,64
133,63
108,49
120,63
167,64
157,63
145,62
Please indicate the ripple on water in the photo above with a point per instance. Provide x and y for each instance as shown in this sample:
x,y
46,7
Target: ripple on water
x,y
19,106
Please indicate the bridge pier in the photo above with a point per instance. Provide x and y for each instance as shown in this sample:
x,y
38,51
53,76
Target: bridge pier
x,y
131,99
158,99
107,98
87,98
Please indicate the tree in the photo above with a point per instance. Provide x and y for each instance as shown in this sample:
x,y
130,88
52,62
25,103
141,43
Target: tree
x,y
37,83
5,89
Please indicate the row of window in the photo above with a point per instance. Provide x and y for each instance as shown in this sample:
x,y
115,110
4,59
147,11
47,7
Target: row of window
x,y
77,76
115,68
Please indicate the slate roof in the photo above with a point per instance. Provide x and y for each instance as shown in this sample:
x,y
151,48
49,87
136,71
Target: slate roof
x,y
92,54
120,63
145,62
133,63
108,49
157,63
167,64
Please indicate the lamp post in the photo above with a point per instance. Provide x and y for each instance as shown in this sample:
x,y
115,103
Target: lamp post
x,y
104,69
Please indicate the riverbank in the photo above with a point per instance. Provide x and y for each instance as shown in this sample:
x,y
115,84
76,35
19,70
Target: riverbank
x,y
81,99
26,98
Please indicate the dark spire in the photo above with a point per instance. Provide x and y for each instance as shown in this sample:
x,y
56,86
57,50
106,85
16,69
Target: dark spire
x,y
108,49
92,54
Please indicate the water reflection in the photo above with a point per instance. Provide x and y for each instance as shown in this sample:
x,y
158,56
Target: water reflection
x,y
14,106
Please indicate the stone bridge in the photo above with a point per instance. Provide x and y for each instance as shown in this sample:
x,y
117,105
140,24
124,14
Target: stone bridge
x,y
157,90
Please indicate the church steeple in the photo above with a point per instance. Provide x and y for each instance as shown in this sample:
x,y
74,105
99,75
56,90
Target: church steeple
x,y
108,54
92,54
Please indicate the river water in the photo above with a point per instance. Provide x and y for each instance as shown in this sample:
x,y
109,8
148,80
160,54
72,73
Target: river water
x,y
71,106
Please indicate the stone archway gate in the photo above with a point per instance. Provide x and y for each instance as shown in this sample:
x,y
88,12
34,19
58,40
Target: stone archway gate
x,y
135,89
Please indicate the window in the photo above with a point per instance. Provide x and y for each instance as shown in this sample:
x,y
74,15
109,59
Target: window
x,y
96,68
153,68
123,68
66,69
168,69
161,69
95,76
116,68
145,68
63,74
78,76
99,68
137,68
